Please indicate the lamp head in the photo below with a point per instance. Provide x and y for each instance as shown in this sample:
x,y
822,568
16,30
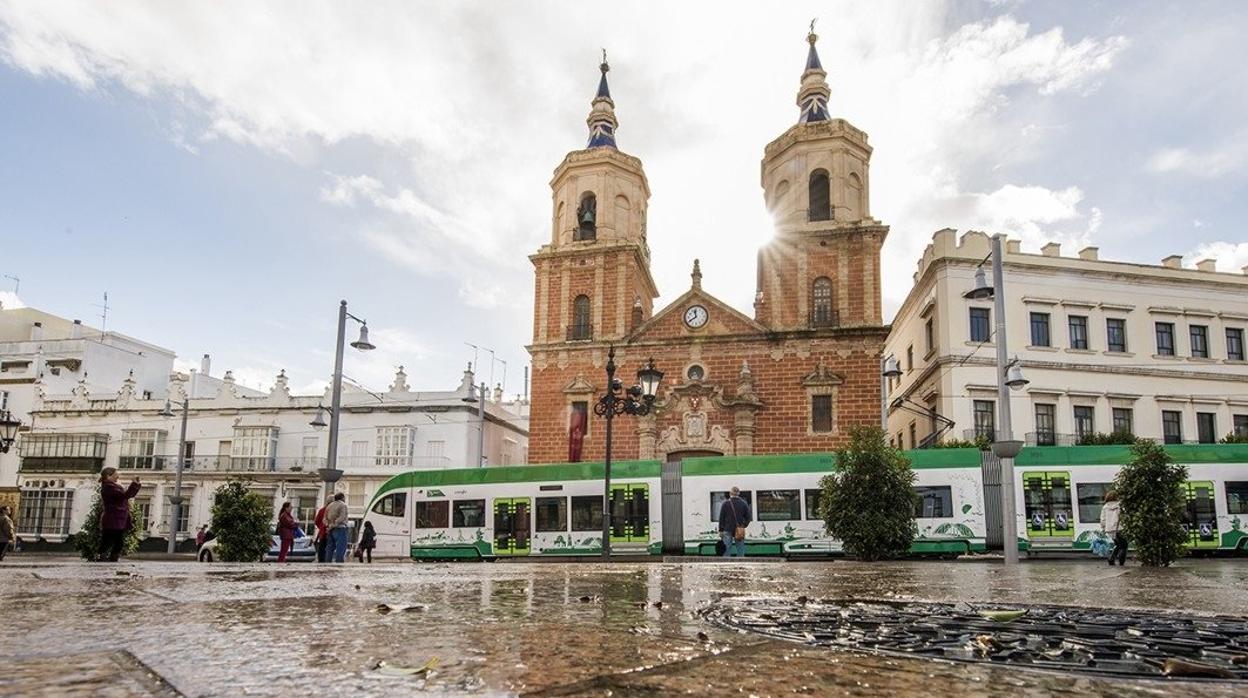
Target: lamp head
x,y
982,291
362,343
648,379
8,430
892,369
1014,377
168,411
318,422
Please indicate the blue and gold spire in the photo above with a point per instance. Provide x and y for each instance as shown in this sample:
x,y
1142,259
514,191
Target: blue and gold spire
x,y
601,119
812,98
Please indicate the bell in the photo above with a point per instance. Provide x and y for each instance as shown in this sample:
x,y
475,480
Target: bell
x,y
587,217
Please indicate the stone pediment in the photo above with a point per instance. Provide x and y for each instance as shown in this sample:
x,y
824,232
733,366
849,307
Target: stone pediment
x,y
822,376
722,319
579,386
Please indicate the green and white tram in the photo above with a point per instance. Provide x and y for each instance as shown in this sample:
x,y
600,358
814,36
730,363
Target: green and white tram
x,y
545,510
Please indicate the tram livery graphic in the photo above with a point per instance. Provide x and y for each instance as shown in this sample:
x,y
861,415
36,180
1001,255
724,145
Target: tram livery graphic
x,y
657,508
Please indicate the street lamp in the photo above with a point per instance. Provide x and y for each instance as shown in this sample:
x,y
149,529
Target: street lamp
x,y
889,368
472,397
636,401
1009,377
330,473
175,499
8,430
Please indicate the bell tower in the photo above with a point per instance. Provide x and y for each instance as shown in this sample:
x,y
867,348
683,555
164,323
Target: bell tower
x,y
594,273
821,271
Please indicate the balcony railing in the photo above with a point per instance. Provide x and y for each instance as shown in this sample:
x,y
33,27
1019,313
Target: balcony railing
x,y
60,464
580,333
143,462
823,319
978,433
1049,438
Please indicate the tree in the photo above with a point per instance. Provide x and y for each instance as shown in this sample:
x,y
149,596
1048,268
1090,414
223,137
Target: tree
x,y
868,503
1150,489
240,520
87,540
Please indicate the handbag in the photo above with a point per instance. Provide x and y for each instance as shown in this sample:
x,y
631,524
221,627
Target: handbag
x,y
739,534
1100,547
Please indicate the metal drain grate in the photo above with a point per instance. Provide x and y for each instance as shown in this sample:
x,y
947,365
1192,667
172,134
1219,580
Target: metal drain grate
x,y
1100,641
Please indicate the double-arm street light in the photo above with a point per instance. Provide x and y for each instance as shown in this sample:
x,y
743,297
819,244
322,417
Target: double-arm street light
x,y
1009,377
637,401
175,499
330,473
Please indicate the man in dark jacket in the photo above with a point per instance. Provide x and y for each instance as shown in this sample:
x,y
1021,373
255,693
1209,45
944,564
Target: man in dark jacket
x,y
734,513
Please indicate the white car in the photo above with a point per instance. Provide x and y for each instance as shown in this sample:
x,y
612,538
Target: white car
x,y
303,549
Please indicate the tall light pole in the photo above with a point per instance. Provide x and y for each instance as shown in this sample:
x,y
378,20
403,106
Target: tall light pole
x,y
330,473
637,401
480,390
888,369
175,499
1009,377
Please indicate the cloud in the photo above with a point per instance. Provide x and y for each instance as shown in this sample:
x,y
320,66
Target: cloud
x,y
1229,156
10,300
1231,256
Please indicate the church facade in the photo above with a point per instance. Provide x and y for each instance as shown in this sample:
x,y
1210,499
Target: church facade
x,y
791,377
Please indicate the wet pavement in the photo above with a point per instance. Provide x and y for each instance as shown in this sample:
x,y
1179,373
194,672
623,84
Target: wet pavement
x,y
547,629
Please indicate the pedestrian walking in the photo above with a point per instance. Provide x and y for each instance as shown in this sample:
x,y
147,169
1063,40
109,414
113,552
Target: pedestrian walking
x,y
8,535
115,513
322,534
368,541
336,523
1111,512
201,536
286,526
734,517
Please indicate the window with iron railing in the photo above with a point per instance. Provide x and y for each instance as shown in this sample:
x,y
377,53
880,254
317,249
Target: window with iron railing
x,y
580,329
394,446
1046,424
985,416
253,448
821,313
139,449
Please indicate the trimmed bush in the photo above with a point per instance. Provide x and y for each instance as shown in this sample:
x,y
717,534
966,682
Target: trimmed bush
x,y
87,540
1150,489
868,503
240,520
1115,438
1233,438
980,442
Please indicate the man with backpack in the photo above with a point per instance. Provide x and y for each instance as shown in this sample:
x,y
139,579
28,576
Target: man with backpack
x,y
734,516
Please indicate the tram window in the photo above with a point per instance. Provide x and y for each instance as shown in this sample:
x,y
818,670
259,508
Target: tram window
x,y
933,502
468,513
779,505
1091,499
552,514
587,513
813,499
1237,497
717,500
392,505
432,514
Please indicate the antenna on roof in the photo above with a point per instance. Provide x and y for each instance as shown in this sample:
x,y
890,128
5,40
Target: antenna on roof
x,y
103,313
17,283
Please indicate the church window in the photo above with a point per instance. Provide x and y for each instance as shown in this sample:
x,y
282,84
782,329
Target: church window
x,y
580,329
853,196
623,222
821,413
822,314
587,218
695,373
820,196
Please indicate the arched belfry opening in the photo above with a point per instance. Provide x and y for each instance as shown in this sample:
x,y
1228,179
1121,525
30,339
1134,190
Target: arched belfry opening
x,y
587,218
820,196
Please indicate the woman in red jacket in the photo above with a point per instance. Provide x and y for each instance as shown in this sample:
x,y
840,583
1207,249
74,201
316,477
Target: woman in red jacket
x,y
286,526
115,514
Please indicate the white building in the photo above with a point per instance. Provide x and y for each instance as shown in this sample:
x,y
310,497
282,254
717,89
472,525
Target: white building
x,y
1154,350
266,438
40,351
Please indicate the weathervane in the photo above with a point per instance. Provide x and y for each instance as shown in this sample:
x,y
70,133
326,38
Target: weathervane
x,y
604,65
812,37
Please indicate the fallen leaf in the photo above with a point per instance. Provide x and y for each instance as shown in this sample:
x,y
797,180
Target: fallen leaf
x,y
405,608
988,644
1182,667
383,668
1002,616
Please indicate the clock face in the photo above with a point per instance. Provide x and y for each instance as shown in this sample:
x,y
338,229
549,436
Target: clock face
x,y
695,316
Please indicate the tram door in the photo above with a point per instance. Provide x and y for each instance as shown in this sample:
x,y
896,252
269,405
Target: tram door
x,y
630,513
1047,498
512,528
1200,517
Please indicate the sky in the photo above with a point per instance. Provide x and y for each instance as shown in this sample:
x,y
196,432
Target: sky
x,y
228,171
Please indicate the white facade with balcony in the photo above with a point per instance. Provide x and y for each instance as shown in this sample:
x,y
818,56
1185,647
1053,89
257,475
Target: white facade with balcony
x,y
1154,350
265,438
42,352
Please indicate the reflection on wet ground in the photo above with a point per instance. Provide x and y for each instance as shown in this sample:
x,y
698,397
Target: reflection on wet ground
x,y
528,628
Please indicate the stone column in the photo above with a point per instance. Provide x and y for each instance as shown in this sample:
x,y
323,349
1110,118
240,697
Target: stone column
x,y
647,437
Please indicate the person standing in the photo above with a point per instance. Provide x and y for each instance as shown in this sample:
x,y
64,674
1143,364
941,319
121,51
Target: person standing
x,y
8,534
286,526
1111,512
336,522
115,513
734,517
322,534
368,541
201,536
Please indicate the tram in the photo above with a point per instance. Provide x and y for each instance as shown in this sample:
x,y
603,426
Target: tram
x,y
672,508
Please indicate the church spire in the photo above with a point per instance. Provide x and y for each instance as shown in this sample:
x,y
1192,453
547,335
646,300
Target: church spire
x,y
813,95
601,119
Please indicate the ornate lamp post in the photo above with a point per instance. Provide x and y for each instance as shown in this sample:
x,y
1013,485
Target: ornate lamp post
x,y
8,430
636,401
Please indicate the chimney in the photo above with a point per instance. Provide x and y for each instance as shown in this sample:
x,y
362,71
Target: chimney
x,y
1013,246
1174,261
36,332
498,392
75,330
1092,253
526,372
1052,249
1207,265
205,364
